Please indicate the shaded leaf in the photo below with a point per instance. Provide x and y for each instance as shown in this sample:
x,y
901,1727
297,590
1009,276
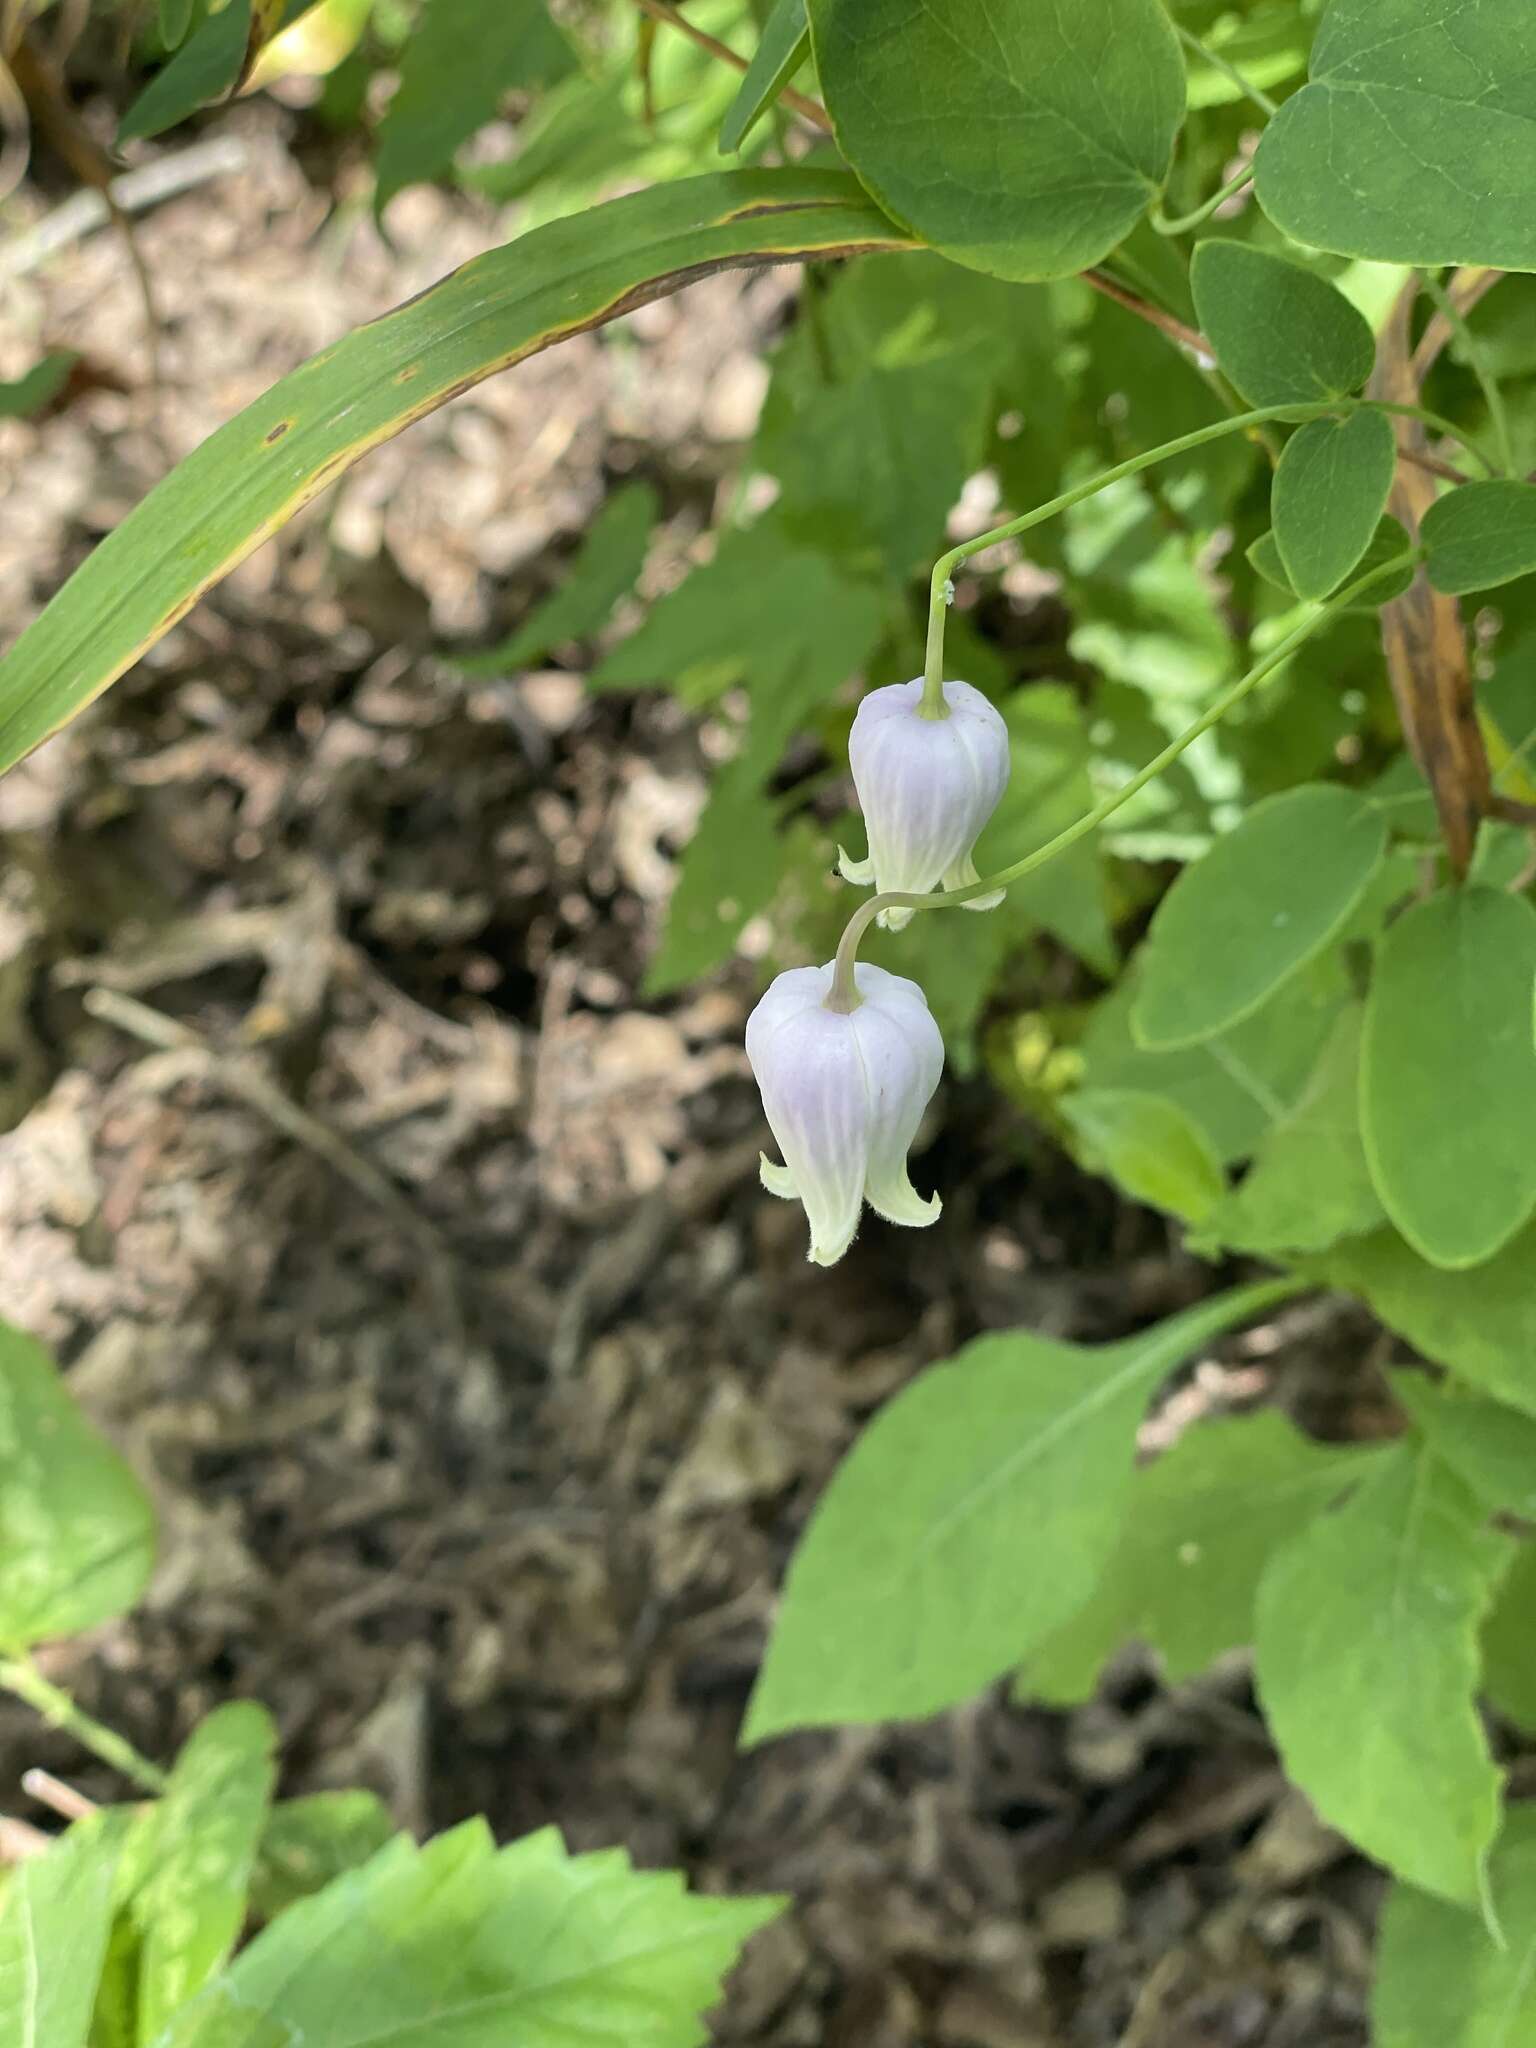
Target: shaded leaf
x,y
1025,142
1448,1074
1509,1642
1480,535
1283,335
970,1520
606,568
311,1840
25,396
1491,1448
781,50
1150,1147
206,67
1329,492
1368,1622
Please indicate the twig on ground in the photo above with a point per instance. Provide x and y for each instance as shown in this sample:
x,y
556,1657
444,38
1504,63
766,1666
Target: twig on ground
x,y
133,192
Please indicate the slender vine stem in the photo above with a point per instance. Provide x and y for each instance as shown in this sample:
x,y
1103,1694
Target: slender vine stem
x,y
1181,223
1249,91
844,992
1441,425
19,1675
1477,363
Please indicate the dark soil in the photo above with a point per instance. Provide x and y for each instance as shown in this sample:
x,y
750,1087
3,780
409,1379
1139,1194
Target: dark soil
x,y
482,1422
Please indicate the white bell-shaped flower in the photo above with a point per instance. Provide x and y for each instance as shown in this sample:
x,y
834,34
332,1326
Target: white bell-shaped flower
x,y
844,1092
926,787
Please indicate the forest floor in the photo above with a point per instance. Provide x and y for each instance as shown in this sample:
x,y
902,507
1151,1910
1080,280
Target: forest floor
x,y
481,1437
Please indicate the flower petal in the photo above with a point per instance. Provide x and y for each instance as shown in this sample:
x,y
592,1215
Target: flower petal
x,y
903,1055
963,872
860,872
778,1180
814,1095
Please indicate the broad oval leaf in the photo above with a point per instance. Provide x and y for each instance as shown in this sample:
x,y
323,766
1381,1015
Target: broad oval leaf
x,y
1448,1074
1025,141
1480,535
1412,143
1443,1980
1389,543
1330,490
1282,335
1368,1622
969,1521
77,1532
246,480
1238,923
781,50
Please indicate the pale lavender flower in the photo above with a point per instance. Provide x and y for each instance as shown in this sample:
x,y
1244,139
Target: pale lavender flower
x,y
844,1093
926,787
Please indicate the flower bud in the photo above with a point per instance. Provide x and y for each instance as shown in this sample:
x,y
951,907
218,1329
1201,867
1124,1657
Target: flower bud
x,y
844,1092
926,787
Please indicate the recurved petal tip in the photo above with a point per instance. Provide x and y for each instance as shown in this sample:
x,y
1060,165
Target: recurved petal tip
x,y
899,1202
894,920
778,1180
860,872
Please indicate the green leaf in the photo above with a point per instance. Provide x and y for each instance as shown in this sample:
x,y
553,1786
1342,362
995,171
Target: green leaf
x,y
458,65
189,1870
606,569
1509,1642
1330,490
77,1532
175,18
309,1841
1367,1625
55,1915
206,67
1202,1523
1448,1074
1480,535
1490,1447
1268,897
970,1520
1442,1978
251,476
1388,544
1026,142
1150,1147
25,396
1309,1184
781,50
459,1945
1412,143
1283,335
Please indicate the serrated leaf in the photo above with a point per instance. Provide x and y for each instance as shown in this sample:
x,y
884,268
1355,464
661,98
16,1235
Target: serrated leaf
x,y
206,67
459,1945
781,50
189,1869
1412,142
246,480
458,65
77,1532
1309,1184
307,1842
1283,335
1490,1447
1149,1147
1025,142
606,568
1201,1524
55,1914
1268,897
1448,1074
1368,1622
1443,1980
1330,490
1480,535
969,1521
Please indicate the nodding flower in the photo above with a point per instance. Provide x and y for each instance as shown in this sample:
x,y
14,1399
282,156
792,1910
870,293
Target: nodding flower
x,y
844,1092
926,786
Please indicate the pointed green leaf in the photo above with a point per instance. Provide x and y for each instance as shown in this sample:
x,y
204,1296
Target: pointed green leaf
x,y
458,1945
1267,898
1368,1623
1412,143
1202,1523
1448,1074
205,68
971,1518
55,1914
458,65
189,1869
77,1532
1442,1979
1026,141
1148,1146
251,476
1480,535
1490,1447
1282,334
781,50
1330,489
25,395
606,568
175,18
